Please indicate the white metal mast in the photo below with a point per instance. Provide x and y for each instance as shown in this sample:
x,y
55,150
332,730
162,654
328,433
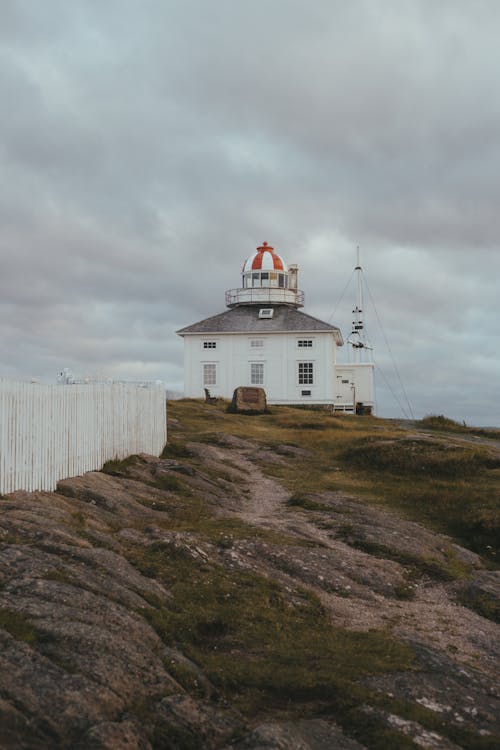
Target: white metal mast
x,y
357,338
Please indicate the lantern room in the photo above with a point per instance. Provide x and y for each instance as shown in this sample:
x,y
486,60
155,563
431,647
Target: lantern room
x,y
265,268
265,278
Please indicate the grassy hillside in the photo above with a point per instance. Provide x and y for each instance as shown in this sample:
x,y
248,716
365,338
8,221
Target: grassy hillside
x,y
445,481
282,581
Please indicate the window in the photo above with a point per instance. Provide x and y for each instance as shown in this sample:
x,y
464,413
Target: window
x,y
257,373
256,343
210,374
305,373
210,344
304,343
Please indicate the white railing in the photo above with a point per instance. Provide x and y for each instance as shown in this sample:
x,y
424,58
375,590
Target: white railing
x,y
51,432
264,295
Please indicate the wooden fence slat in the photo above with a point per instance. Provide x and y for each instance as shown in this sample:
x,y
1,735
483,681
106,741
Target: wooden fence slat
x,y
51,432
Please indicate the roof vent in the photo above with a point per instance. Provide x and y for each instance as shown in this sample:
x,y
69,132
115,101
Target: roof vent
x,y
266,312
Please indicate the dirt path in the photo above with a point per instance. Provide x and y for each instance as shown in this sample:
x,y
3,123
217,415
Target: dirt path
x,y
265,504
358,588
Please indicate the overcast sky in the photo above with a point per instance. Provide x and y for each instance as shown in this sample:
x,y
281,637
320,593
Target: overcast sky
x,y
148,146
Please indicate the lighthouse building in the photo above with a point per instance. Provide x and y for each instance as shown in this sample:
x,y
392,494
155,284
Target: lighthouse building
x,y
264,339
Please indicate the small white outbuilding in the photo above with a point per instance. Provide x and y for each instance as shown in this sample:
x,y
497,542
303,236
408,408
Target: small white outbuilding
x,y
264,339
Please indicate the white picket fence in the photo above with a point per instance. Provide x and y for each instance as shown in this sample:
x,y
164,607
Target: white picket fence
x,y
51,432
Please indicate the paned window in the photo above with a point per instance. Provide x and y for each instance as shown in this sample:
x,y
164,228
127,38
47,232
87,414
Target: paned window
x,y
210,344
282,280
305,373
256,343
257,373
304,343
210,374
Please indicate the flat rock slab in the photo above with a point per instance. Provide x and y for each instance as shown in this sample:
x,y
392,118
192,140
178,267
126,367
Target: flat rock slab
x,y
313,734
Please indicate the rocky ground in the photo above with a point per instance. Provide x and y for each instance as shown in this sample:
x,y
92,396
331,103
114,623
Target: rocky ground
x,y
91,586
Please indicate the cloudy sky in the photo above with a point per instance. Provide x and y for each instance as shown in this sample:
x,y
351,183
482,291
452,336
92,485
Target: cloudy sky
x,y
148,146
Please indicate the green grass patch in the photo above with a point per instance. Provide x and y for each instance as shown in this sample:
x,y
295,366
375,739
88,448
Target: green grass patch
x,y
169,484
175,449
78,520
297,500
373,732
450,569
18,625
294,419
440,423
185,675
59,575
258,645
417,457
221,530
467,509
482,603
182,511
118,467
162,734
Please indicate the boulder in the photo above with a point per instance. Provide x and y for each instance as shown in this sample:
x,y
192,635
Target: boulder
x,y
248,399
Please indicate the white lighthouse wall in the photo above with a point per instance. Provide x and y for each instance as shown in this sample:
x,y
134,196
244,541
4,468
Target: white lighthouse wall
x,y
280,354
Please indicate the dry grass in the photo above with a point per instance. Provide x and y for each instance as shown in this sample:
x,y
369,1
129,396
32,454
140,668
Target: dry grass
x,y
453,488
440,423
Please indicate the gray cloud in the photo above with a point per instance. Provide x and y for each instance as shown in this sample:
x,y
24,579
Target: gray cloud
x,y
146,149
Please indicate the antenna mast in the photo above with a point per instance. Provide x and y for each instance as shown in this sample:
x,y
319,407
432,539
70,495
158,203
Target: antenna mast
x,y
357,338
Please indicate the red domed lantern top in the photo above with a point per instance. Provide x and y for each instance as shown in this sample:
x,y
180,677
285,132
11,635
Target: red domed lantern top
x,y
264,259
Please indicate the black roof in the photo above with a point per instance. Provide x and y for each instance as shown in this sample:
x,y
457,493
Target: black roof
x,y
245,319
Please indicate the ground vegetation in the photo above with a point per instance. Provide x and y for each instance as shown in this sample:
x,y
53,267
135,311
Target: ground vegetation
x,y
293,580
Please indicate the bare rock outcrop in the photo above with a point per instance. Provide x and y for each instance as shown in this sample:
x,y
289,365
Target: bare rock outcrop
x,y
87,659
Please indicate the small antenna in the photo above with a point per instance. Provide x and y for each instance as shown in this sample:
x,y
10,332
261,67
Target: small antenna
x,y
358,266
357,338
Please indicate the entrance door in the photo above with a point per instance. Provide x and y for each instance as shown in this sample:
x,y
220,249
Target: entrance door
x,y
344,390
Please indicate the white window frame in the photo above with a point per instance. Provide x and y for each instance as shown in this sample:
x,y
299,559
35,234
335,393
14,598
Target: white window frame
x,y
256,343
257,367
266,313
207,367
305,375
